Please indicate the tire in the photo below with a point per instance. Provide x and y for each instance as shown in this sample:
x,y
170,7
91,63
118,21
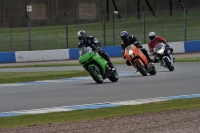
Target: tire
x,y
168,64
141,68
97,77
114,76
153,72
172,68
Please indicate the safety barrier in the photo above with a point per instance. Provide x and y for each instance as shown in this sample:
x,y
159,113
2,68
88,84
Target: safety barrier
x,y
193,46
64,54
7,57
43,55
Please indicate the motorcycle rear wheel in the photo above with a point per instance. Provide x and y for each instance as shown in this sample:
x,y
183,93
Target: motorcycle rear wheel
x,y
141,68
153,72
114,76
95,75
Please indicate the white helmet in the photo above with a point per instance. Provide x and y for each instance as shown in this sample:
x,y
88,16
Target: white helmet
x,y
152,36
82,35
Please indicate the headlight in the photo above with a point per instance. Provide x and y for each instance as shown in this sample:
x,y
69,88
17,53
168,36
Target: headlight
x,y
161,51
130,52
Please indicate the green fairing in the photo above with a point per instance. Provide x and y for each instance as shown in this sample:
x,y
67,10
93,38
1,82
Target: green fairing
x,y
96,65
86,58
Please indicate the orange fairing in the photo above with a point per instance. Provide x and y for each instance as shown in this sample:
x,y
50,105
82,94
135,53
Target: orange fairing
x,y
126,55
132,49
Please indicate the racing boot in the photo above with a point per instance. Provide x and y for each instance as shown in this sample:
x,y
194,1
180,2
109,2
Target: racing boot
x,y
111,65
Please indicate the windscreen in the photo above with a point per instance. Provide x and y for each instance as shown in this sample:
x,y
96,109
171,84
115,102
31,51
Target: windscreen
x,y
128,48
84,50
159,46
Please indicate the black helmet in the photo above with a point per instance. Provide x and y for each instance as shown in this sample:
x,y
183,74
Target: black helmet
x,y
124,35
152,36
82,35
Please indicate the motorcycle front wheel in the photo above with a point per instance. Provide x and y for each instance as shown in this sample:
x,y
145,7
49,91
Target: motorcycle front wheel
x,y
141,68
168,64
95,75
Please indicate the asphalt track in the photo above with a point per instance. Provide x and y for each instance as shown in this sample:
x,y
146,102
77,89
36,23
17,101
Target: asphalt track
x,y
184,80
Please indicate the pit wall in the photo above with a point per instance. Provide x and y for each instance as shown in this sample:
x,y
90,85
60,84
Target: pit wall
x,y
65,54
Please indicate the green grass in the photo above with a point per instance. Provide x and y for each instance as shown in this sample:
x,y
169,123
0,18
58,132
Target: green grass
x,y
191,59
54,37
120,61
81,115
41,65
14,77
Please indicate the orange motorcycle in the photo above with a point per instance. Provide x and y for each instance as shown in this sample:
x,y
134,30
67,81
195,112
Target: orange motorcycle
x,y
138,60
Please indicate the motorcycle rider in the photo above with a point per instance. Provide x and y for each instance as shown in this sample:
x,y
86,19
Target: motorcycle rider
x,y
92,42
131,39
155,40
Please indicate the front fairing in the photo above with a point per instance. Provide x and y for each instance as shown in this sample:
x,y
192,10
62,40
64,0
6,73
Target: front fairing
x,y
129,53
132,53
159,49
85,54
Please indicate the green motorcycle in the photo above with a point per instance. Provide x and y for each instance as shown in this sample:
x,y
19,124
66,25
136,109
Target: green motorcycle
x,y
96,65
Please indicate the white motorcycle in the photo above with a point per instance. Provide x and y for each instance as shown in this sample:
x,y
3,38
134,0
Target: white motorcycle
x,y
164,56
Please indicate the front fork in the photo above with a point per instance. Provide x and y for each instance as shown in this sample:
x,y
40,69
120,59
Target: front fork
x,y
168,55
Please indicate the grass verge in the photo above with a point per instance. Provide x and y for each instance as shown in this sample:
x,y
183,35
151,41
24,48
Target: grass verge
x,y
120,61
191,59
41,65
13,77
91,114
